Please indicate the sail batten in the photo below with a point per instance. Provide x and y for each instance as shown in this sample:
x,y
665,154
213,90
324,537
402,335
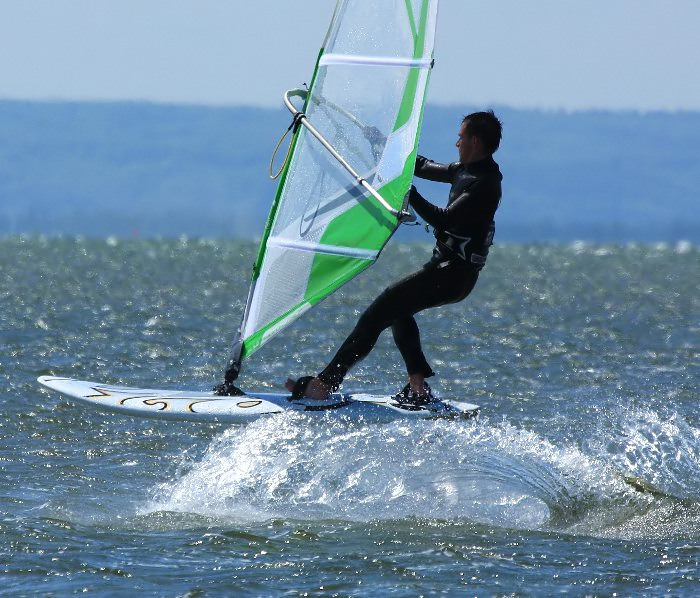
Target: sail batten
x,y
341,194
356,252
340,59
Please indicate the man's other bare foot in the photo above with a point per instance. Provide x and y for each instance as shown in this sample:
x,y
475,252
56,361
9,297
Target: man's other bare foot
x,y
315,389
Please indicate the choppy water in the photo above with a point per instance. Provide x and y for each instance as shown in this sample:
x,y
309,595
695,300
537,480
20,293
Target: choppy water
x,y
581,477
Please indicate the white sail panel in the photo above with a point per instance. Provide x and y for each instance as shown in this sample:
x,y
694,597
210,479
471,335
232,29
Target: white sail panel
x,y
366,101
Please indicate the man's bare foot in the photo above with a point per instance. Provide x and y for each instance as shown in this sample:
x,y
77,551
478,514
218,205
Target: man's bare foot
x,y
316,389
417,383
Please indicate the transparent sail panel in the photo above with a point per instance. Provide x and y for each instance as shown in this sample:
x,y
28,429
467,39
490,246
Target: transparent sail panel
x,y
366,100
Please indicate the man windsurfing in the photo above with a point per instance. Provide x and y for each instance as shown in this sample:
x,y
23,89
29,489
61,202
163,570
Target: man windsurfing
x,y
464,232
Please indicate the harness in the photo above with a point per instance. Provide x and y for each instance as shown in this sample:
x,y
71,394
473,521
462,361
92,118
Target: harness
x,y
464,247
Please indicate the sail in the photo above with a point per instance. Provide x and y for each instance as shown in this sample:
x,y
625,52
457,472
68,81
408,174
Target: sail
x,y
341,193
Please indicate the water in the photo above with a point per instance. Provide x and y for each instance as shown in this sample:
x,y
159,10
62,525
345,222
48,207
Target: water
x,y
581,477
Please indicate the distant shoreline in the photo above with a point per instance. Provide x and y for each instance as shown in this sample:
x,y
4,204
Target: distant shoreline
x,y
132,169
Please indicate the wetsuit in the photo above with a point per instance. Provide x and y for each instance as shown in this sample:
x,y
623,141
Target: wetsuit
x,y
463,231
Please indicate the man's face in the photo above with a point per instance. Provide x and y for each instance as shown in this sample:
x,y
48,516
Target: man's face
x,y
467,145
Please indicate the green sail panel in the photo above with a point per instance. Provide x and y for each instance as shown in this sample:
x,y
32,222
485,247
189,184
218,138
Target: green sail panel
x,y
366,99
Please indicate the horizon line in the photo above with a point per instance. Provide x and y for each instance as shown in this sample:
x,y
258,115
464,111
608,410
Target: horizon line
x,y
266,107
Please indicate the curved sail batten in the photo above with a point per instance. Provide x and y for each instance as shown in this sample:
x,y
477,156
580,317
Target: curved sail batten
x,y
366,101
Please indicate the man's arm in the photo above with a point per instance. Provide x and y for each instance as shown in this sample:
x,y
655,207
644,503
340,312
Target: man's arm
x,y
432,171
434,216
479,203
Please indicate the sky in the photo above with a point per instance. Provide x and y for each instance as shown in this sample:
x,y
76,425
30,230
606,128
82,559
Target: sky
x,y
544,54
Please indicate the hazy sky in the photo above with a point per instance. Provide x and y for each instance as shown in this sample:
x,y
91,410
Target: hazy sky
x,y
552,54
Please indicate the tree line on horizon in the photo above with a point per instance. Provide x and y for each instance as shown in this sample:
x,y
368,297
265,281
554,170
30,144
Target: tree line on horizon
x,y
138,169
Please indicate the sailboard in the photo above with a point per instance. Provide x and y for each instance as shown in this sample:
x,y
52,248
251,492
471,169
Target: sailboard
x,y
186,405
341,196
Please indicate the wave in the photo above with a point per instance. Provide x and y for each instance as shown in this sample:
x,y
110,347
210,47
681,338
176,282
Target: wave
x,y
495,473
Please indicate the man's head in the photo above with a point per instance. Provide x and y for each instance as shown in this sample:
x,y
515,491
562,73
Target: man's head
x,y
479,136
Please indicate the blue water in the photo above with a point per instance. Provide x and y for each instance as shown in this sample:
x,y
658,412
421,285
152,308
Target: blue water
x,y
581,477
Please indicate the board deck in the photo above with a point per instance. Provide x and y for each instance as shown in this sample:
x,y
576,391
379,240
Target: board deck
x,y
206,407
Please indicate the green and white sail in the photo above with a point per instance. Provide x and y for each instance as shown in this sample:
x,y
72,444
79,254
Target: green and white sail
x,y
341,192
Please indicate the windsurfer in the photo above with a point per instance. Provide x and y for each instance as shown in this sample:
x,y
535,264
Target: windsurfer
x,y
464,231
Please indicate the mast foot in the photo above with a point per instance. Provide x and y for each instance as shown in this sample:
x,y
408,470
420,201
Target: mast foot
x,y
227,389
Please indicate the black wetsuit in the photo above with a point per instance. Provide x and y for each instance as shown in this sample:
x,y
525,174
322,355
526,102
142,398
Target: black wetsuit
x,y
464,231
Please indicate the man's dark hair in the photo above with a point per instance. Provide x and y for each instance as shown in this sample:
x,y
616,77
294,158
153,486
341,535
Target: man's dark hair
x,y
485,126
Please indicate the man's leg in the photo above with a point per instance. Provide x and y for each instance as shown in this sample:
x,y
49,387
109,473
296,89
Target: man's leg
x,y
407,339
428,287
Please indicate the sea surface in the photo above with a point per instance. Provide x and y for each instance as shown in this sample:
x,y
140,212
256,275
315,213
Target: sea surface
x,y
581,477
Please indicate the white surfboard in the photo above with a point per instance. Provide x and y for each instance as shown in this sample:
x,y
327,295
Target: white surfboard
x,y
206,407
